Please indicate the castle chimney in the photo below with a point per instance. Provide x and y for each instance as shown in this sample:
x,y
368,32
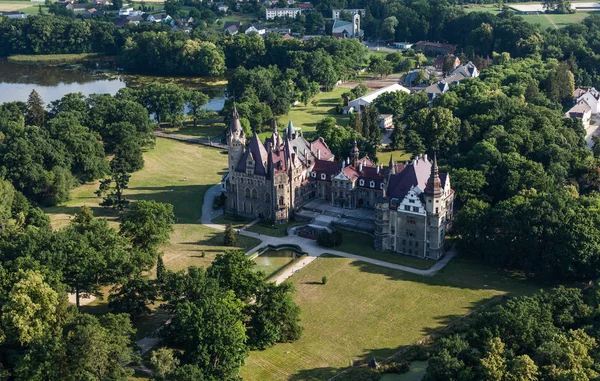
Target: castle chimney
x,y
360,167
377,169
318,154
425,156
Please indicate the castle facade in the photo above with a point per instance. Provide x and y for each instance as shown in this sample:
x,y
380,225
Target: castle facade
x,y
412,203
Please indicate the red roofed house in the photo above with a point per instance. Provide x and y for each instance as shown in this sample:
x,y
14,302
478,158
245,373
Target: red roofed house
x,y
271,180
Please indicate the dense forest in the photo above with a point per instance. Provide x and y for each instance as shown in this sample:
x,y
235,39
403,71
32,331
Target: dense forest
x,y
549,336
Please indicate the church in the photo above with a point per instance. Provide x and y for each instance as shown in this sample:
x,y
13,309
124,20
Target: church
x,y
411,203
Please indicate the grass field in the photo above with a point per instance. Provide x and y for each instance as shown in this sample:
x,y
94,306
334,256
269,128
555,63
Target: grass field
x,y
368,311
162,179
202,130
52,58
544,20
416,373
21,6
307,117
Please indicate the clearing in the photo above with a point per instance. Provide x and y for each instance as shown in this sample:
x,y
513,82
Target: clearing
x,y
368,311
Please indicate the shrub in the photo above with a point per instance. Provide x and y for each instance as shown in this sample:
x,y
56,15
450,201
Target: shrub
x,y
229,239
324,279
327,239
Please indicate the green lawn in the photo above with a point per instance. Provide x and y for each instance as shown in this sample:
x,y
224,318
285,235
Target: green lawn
x,y
53,58
21,6
162,179
399,156
279,230
235,221
307,117
204,129
368,311
362,244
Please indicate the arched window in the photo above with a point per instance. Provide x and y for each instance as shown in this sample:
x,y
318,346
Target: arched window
x,y
372,184
267,197
247,192
362,182
254,193
281,200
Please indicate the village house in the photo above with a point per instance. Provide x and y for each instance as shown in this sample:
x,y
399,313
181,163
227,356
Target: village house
x,y
438,63
386,121
232,27
590,96
582,111
258,29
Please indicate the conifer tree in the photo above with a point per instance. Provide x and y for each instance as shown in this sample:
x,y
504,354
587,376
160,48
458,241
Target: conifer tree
x,y
230,238
35,115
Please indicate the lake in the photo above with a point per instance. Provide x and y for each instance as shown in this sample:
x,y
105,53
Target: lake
x,y
54,82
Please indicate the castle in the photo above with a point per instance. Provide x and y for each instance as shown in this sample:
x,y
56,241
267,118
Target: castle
x,y
411,203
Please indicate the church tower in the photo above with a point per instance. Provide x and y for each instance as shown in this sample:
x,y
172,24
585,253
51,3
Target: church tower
x,y
235,140
436,212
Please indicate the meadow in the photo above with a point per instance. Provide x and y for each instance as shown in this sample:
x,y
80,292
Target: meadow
x,y
367,311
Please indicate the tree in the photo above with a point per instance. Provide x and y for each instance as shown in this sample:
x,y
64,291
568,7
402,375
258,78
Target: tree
x,y
172,7
560,84
391,103
100,348
437,127
134,296
196,103
112,189
229,238
148,224
163,362
36,114
388,28
383,68
420,59
397,137
494,364
276,317
448,64
29,312
160,269
234,271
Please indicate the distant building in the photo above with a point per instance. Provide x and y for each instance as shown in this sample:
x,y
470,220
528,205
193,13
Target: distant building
x,y
14,15
335,13
282,31
125,11
386,121
347,29
232,27
402,45
223,8
438,63
364,101
306,5
590,96
258,29
272,13
582,111
437,89
468,70
431,48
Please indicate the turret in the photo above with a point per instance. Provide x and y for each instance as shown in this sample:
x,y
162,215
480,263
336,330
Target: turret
x,y
236,140
354,154
433,190
290,130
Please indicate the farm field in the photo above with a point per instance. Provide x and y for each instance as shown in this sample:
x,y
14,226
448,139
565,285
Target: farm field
x,y
21,6
367,311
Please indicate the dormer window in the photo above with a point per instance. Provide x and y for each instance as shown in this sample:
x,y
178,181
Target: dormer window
x,y
362,182
323,176
313,174
381,186
372,184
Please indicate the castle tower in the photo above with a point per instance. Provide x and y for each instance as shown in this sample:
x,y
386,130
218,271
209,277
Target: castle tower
x,y
235,140
436,212
290,130
354,154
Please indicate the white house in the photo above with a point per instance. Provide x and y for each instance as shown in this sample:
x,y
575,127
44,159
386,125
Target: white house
x,y
125,11
335,13
260,30
271,13
366,100
591,97
468,70
223,8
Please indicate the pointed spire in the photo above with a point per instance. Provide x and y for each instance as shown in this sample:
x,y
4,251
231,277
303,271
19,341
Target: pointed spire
x,y
290,129
392,166
274,125
434,184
